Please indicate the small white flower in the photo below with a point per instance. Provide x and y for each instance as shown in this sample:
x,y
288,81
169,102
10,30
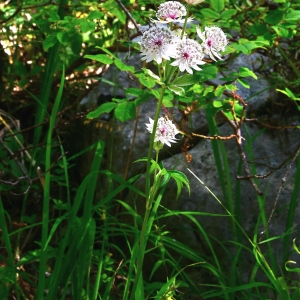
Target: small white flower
x,y
188,55
165,131
193,2
157,43
214,41
171,11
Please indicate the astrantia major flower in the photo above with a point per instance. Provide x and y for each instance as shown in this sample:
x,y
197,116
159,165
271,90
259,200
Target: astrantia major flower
x,y
165,131
171,11
157,43
214,41
188,55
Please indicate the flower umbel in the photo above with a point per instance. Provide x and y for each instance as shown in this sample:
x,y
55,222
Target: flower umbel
x,y
214,41
165,131
188,54
157,43
171,11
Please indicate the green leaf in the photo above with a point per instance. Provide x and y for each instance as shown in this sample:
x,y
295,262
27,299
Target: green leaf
x,y
121,66
50,41
274,17
96,14
54,17
244,83
283,32
217,5
209,72
101,58
167,103
176,89
146,81
87,26
292,15
62,37
288,93
219,91
244,46
258,29
245,72
227,14
180,179
186,80
209,13
218,103
103,108
125,111
151,74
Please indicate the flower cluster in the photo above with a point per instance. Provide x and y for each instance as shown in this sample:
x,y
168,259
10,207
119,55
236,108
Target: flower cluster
x,y
165,130
171,11
158,43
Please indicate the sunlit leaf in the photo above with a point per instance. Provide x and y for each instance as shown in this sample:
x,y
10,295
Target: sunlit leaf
x,y
217,5
101,58
125,111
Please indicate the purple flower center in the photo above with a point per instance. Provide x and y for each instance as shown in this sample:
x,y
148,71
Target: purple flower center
x,y
158,42
162,130
171,16
186,55
209,43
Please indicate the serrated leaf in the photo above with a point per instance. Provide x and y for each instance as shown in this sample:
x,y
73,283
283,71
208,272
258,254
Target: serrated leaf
x,y
274,17
96,14
125,111
209,13
245,72
176,89
50,41
121,66
186,80
103,108
101,58
217,5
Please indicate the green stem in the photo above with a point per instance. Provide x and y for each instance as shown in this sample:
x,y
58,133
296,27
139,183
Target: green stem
x,y
185,21
149,199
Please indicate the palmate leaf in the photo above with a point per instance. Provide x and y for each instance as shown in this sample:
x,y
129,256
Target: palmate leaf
x,y
180,180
